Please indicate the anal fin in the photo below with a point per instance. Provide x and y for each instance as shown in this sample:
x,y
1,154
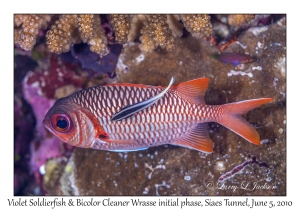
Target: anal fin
x,y
197,139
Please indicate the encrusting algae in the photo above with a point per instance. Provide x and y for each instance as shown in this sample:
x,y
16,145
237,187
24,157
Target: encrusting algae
x,y
239,20
60,37
121,25
197,25
156,32
90,30
69,28
152,30
27,28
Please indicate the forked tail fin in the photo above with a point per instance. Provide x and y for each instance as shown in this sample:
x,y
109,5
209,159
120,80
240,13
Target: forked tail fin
x,y
233,120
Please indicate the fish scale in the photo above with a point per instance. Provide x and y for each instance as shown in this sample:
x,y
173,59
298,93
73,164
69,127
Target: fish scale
x,y
134,123
179,117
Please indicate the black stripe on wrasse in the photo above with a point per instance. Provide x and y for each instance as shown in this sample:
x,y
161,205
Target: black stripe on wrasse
x,y
132,109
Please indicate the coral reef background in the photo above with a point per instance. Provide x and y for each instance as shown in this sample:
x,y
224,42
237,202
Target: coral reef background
x,y
56,55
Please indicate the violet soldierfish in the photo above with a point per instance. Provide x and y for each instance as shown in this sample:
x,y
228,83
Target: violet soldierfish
x,y
179,117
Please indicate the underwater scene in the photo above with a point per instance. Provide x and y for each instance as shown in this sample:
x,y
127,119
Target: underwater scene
x,y
154,104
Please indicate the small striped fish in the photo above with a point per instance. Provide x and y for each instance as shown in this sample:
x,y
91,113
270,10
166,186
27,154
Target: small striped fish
x,y
179,117
132,109
233,58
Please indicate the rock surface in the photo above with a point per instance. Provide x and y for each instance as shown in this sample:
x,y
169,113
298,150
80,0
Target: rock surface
x,y
171,170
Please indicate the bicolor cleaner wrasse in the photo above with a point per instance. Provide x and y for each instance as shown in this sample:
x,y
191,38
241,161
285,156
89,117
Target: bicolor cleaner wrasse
x,y
179,117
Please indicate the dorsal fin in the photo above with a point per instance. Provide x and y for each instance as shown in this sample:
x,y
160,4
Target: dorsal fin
x,y
193,89
197,139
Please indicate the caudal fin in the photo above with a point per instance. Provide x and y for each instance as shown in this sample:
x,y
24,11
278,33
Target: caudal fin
x,y
234,121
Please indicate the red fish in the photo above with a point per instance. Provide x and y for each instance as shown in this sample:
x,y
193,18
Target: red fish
x,y
233,58
180,117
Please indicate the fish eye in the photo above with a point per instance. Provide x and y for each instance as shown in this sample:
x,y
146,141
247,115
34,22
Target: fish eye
x,y
61,123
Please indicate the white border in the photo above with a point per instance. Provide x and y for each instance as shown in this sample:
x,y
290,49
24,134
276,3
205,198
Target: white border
x,y
8,8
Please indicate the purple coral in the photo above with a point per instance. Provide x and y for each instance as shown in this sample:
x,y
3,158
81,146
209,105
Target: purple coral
x,y
44,145
38,90
91,60
53,74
